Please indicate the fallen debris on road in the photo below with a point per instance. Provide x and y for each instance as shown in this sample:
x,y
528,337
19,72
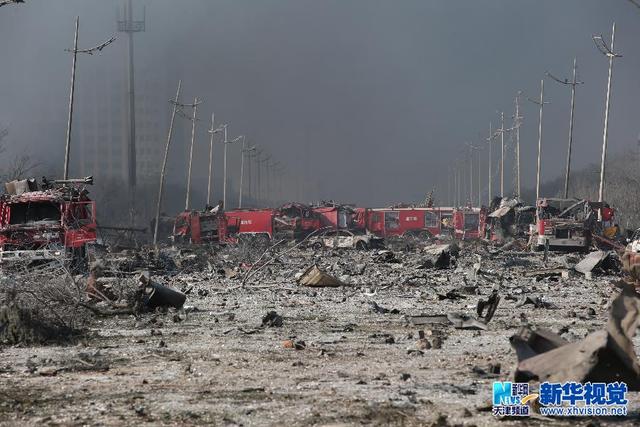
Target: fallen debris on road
x,y
315,277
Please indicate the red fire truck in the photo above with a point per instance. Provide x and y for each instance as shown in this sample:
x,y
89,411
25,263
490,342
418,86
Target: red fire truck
x,y
400,221
297,220
469,223
204,227
564,223
55,222
257,222
336,217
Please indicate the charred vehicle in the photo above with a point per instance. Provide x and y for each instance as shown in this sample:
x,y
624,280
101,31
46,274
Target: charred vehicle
x,y
204,227
345,239
564,224
510,219
296,221
425,222
56,221
252,223
469,223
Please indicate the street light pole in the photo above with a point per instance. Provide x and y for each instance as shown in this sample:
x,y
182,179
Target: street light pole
x,y
224,182
573,84
517,127
490,163
610,53
164,164
502,155
212,131
541,104
75,51
193,137
244,150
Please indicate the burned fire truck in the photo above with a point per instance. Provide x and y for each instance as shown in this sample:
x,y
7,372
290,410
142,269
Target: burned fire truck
x,y
56,221
291,221
467,223
564,223
209,226
252,222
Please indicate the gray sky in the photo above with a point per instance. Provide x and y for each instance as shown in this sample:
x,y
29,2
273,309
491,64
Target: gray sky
x,y
365,101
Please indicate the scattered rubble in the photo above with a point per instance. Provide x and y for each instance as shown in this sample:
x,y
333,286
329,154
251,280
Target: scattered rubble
x,y
360,331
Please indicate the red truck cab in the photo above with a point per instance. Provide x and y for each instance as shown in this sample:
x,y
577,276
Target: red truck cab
x,y
46,224
204,227
469,223
400,221
252,221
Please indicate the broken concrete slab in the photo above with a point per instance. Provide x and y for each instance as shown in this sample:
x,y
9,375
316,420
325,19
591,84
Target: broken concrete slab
x,y
603,260
530,342
603,356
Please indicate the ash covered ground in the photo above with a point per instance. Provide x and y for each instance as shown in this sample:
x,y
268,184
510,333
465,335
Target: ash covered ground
x,y
223,360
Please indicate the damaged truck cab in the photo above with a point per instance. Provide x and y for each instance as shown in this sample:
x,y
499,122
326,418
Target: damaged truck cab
x,y
54,223
563,224
204,227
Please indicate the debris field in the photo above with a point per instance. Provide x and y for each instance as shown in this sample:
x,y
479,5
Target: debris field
x,y
304,336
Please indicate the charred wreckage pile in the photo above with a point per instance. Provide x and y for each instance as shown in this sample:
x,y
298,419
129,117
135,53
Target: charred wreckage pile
x,y
437,271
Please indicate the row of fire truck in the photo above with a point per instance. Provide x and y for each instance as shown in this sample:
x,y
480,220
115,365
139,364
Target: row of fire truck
x,y
296,221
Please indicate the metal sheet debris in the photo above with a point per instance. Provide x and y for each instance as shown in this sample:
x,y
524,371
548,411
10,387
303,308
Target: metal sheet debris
x,y
315,277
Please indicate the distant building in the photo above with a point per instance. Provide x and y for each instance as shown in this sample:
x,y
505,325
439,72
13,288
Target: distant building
x,y
101,126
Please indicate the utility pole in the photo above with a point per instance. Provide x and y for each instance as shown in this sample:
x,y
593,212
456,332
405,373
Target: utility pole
x,y
502,155
244,150
479,181
455,185
251,156
259,177
490,140
610,53
75,51
193,138
275,169
541,104
129,26
164,164
471,149
449,179
471,175
573,84
224,182
212,131
459,180
518,121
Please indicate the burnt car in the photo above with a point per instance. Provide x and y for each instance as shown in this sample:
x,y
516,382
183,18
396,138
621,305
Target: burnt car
x,y
345,239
